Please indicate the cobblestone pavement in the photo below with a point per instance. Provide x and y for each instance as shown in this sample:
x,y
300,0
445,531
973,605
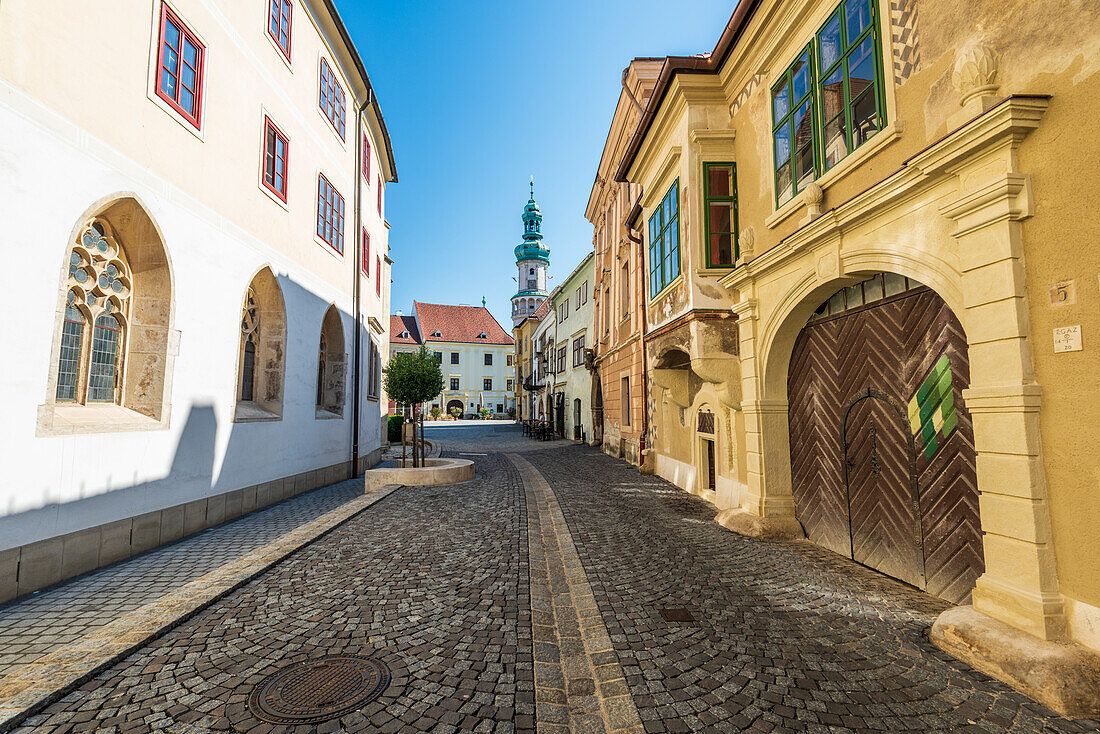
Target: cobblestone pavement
x,y
436,581
43,622
503,437
786,637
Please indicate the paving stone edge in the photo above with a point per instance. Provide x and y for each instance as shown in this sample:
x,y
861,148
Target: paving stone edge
x,y
29,689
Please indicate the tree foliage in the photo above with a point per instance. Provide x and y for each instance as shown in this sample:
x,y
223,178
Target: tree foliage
x,y
413,377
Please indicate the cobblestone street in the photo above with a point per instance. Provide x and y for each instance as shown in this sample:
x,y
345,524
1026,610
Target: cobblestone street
x,y
532,598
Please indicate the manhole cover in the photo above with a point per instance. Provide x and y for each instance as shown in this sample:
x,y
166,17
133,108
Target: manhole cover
x,y
677,615
318,690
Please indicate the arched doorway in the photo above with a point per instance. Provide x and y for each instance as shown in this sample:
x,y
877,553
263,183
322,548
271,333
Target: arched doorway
x,y
882,447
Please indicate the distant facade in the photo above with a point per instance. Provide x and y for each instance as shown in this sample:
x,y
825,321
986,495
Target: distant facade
x,y
868,303
204,278
618,289
572,307
475,355
532,264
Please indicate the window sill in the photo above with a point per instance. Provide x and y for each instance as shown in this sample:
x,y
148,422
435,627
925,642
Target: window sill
x,y
716,272
249,412
668,287
59,419
326,415
882,138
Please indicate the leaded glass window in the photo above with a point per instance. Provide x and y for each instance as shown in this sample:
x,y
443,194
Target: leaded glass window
x,y
321,368
250,329
72,339
103,371
99,295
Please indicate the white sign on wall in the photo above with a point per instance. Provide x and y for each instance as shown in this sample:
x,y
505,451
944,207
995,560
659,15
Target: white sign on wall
x,y
1067,339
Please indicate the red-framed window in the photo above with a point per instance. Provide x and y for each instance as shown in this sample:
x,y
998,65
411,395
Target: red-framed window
x,y
278,24
330,214
378,275
379,196
365,254
366,157
276,156
332,98
180,59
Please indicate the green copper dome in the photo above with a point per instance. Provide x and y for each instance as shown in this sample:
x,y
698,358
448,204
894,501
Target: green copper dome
x,y
532,247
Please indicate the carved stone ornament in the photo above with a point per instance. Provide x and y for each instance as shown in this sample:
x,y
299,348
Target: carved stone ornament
x,y
975,72
745,242
813,196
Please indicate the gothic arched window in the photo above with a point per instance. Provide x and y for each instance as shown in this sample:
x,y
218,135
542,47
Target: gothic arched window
x,y
98,294
250,328
262,347
331,362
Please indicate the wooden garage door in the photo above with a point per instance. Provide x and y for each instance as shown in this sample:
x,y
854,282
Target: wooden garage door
x,y
883,472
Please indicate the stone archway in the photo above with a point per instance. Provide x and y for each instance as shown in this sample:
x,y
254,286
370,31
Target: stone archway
x,y
882,446
951,220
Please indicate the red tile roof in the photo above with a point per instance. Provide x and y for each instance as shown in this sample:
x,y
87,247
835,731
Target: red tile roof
x,y
460,324
401,324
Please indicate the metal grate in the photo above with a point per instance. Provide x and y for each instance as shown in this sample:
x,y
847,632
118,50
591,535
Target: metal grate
x,y
318,690
677,615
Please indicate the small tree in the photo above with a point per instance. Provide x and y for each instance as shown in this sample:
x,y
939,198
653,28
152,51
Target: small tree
x,y
436,412
413,378
485,413
456,412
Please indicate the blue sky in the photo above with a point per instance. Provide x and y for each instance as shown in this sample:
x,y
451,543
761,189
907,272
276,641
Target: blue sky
x,y
477,101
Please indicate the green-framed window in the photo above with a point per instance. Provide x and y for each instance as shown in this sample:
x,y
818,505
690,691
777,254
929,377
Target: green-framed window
x,y
850,90
830,100
720,199
793,131
664,241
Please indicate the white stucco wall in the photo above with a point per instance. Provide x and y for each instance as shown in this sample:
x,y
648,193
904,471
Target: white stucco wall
x,y
52,169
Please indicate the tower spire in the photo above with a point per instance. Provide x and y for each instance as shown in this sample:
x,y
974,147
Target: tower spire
x,y
532,188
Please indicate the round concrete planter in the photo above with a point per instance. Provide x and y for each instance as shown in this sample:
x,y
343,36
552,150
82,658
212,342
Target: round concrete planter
x,y
434,472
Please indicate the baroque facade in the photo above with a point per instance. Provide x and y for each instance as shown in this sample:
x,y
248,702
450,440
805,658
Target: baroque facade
x,y
474,352
203,311
865,303
618,315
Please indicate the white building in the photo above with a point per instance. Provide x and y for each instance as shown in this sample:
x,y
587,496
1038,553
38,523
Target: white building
x,y
195,190
571,303
474,352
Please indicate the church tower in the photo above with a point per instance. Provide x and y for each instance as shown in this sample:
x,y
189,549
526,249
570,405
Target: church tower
x,y
532,261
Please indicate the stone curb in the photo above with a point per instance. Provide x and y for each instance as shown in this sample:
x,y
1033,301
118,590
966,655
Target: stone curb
x,y
32,687
579,684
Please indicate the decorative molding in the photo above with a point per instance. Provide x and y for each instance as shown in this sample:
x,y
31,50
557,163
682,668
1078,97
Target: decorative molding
x,y
746,241
1002,126
906,39
743,96
655,192
975,73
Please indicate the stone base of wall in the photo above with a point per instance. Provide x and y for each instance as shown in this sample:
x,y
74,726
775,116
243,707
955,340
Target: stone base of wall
x,y
1064,677
35,566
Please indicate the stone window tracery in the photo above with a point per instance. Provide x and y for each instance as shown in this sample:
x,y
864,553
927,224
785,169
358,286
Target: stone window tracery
x,y
250,331
99,290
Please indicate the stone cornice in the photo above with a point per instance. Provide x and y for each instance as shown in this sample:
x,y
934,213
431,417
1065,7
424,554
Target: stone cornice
x,y
1001,126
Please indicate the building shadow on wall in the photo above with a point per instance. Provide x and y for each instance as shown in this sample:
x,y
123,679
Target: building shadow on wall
x,y
262,462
